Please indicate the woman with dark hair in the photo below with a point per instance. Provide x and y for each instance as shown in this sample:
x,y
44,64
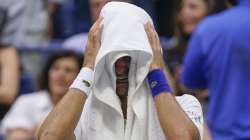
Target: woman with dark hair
x,y
50,81
188,15
29,110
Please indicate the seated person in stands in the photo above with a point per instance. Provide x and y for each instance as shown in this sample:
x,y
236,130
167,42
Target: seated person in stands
x,y
29,110
76,42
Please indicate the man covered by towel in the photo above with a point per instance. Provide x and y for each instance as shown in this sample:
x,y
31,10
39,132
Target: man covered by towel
x,y
122,93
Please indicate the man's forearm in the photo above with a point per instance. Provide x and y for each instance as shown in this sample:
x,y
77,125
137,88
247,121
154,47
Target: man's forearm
x,y
62,121
174,121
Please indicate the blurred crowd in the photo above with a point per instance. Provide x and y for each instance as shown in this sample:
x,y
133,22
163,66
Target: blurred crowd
x,y
41,47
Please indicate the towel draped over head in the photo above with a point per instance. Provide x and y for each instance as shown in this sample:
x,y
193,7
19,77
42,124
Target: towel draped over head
x,y
102,117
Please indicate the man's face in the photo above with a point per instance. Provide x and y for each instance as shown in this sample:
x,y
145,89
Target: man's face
x,y
122,70
96,7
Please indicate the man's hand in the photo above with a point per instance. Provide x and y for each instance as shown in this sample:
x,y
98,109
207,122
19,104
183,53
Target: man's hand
x,y
62,121
156,47
94,44
174,121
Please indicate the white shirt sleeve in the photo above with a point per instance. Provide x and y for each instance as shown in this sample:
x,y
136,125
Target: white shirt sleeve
x,y
193,109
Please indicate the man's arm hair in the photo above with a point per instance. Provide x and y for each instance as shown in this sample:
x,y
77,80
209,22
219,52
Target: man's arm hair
x,y
174,121
62,121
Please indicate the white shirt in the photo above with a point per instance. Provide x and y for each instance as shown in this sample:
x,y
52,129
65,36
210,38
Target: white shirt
x,y
189,104
27,112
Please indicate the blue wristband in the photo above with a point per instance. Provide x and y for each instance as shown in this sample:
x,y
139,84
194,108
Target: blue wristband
x,y
158,82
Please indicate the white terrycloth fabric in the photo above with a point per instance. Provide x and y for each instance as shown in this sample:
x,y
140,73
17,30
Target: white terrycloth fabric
x,y
102,117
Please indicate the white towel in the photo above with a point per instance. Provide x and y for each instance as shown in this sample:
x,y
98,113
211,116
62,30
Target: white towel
x,y
102,117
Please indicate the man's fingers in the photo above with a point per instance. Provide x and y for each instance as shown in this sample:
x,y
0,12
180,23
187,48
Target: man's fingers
x,y
157,41
97,23
147,29
97,36
99,31
153,36
100,34
149,33
95,26
95,33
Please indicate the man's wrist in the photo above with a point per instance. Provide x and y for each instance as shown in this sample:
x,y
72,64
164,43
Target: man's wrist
x,y
88,65
158,82
84,80
153,67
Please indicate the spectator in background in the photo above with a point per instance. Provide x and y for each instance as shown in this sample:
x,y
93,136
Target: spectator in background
x,y
29,110
76,42
218,58
189,14
67,18
26,22
9,78
52,6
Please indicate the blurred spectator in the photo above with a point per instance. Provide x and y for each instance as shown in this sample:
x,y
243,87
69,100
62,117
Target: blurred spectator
x,y
25,22
188,16
71,17
68,17
218,58
52,6
77,42
9,78
29,110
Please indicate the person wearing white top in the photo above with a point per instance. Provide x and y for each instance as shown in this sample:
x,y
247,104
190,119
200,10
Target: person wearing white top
x,y
111,100
28,112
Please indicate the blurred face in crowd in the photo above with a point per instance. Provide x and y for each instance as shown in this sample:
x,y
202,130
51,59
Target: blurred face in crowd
x,y
61,75
122,70
96,7
190,14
